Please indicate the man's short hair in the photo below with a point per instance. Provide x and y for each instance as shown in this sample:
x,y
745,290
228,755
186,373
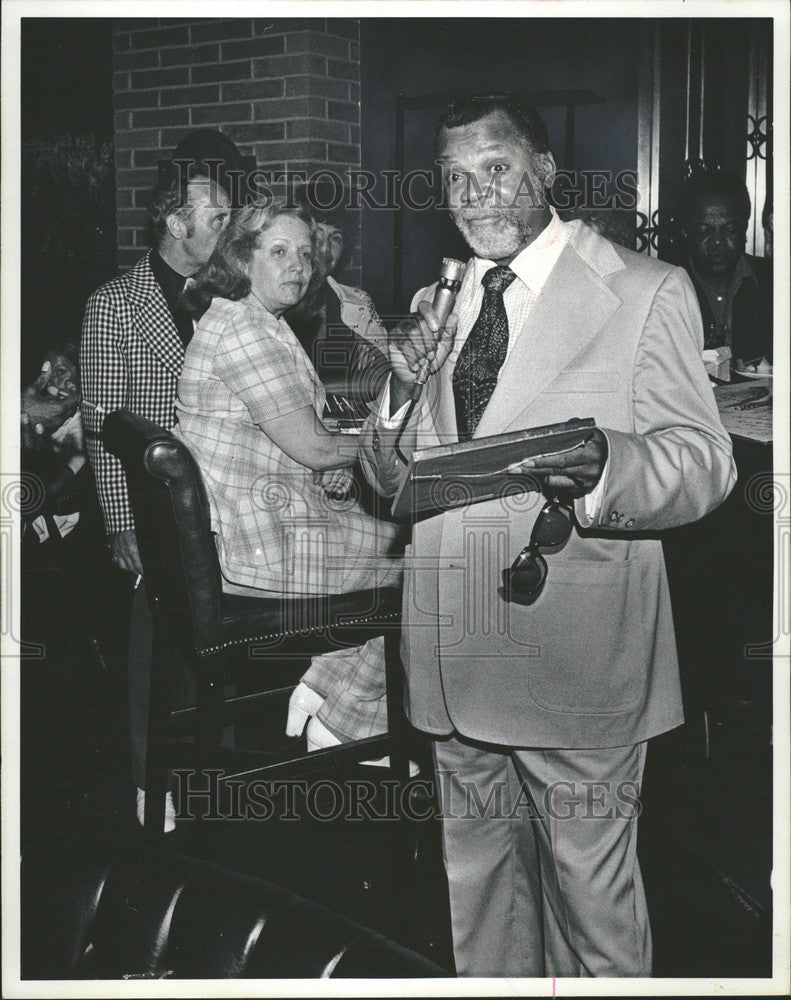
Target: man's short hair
x,y
171,197
721,184
527,122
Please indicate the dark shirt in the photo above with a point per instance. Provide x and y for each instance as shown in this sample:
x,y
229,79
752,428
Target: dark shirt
x,y
741,316
172,285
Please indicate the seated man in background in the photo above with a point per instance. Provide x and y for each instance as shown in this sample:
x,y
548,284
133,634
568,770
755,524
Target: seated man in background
x,y
734,289
53,449
64,565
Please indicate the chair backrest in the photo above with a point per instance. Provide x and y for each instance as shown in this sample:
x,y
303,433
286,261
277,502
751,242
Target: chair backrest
x,y
145,913
172,524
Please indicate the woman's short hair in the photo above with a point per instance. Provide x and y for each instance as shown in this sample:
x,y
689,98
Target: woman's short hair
x,y
225,274
68,349
324,199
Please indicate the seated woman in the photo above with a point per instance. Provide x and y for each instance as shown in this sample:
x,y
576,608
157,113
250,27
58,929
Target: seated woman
x,y
337,324
249,407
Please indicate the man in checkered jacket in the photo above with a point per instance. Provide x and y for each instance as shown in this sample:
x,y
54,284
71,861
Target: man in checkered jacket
x,y
133,338
134,335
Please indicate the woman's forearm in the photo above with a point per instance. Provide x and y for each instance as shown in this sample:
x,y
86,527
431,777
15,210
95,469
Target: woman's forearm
x,y
305,439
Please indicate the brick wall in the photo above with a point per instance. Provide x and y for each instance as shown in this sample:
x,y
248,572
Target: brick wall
x,y
287,91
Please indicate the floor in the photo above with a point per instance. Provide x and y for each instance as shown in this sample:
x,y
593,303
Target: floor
x,y
705,830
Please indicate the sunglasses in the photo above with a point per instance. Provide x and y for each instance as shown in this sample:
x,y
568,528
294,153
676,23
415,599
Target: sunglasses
x,y
525,579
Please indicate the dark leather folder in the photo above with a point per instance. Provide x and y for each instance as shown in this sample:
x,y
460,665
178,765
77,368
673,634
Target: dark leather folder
x,y
456,475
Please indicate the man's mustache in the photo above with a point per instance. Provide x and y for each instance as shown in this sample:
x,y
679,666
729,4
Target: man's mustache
x,y
491,213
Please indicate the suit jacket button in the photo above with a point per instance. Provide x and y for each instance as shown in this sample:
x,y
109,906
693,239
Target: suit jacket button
x,y
630,523
613,516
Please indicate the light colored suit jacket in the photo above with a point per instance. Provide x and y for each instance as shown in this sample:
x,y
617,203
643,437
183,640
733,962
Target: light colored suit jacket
x,y
131,357
614,336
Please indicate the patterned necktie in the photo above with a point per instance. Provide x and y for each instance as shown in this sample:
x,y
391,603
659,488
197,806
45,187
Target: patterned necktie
x,y
483,353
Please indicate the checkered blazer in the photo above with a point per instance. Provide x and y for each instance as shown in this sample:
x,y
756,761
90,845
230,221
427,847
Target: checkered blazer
x,y
130,356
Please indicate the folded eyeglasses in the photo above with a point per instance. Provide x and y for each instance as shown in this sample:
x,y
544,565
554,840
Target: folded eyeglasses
x,y
524,580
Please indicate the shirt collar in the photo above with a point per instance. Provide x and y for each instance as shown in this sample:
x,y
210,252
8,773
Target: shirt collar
x,y
170,281
741,272
257,307
533,264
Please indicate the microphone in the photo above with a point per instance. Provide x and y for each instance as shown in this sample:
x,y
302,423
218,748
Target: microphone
x,y
448,285
450,275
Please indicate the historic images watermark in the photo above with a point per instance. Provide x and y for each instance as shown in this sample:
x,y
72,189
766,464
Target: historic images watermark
x,y
328,190
205,795
769,494
21,498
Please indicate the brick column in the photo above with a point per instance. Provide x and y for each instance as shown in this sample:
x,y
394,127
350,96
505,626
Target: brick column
x,y
287,91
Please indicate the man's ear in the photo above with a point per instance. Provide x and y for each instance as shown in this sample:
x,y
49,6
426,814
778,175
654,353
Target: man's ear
x,y
176,226
545,166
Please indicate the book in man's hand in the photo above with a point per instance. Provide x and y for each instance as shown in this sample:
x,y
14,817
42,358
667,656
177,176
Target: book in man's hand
x,y
468,472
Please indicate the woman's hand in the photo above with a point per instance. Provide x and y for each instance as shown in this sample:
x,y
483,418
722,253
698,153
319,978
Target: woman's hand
x,y
336,483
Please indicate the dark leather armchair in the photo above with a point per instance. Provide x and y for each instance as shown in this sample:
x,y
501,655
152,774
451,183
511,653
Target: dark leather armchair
x,y
216,631
148,914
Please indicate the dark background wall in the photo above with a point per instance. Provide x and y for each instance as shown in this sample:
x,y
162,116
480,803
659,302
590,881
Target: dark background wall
x,y
68,181
417,57
600,61
286,90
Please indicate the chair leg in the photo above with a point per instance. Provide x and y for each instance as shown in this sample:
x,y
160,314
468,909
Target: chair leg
x,y
210,680
161,686
397,723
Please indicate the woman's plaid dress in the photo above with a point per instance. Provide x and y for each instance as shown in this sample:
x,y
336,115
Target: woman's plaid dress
x,y
277,531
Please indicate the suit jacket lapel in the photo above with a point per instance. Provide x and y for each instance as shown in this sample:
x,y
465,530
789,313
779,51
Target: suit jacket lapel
x,y
558,327
152,321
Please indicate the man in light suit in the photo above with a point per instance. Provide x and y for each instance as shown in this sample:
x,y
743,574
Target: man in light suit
x,y
541,711
132,349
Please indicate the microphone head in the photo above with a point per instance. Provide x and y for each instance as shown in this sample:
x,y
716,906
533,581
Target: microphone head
x,y
452,269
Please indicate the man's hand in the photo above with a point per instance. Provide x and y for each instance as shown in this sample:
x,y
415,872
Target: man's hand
x,y
68,443
418,341
49,411
33,438
124,552
577,471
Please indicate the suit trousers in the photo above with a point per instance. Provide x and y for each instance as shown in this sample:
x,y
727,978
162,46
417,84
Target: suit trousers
x,y
540,852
